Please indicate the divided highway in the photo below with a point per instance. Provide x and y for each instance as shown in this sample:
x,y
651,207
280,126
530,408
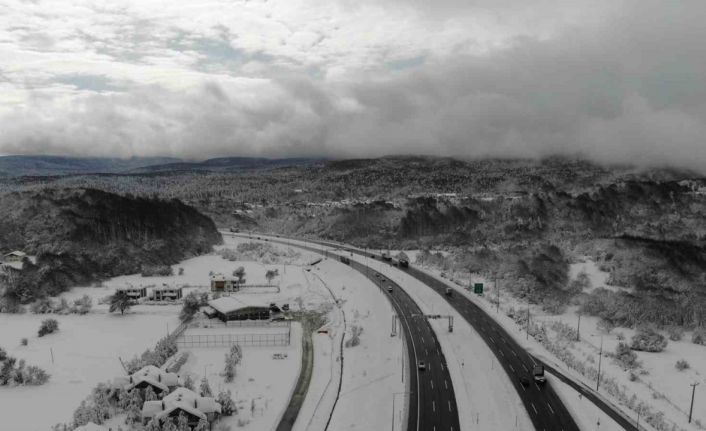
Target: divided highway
x,y
432,403
545,408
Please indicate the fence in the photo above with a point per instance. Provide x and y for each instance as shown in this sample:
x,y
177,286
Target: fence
x,y
226,340
215,323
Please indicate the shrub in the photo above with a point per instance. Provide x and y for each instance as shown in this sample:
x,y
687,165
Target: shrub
x,y
675,333
48,326
648,340
626,357
42,306
699,336
681,365
354,340
82,305
23,341
120,301
225,399
3,354
157,271
34,375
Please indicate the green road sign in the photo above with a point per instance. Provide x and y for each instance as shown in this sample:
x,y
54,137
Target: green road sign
x,y
478,288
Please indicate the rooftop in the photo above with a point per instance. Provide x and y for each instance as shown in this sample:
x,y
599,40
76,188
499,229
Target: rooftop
x,y
227,304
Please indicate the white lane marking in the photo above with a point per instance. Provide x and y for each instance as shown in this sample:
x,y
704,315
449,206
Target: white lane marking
x,y
446,384
432,383
534,408
513,352
513,370
550,408
501,353
526,369
449,405
433,406
491,339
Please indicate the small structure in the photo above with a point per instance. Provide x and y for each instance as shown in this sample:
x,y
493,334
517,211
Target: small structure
x,y
133,292
14,256
185,401
161,381
220,283
244,308
166,292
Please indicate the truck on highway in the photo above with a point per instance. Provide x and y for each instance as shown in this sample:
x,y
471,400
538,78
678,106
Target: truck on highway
x,y
448,291
538,373
345,260
386,256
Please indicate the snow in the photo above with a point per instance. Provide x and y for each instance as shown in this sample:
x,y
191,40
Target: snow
x,y
262,384
662,387
83,357
499,408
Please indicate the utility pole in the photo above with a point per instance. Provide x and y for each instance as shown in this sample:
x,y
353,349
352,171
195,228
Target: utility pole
x,y
528,314
693,391
578,328
497,306
600,358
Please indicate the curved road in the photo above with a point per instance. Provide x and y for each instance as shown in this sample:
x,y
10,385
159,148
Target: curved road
x,y
545,408
432,403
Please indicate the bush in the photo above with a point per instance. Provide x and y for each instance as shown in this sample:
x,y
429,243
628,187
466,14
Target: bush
x,y
675,333
48,326
23,341
16,373
34,375
681,365
3,354
82,305
626,357
225,399
648,340
699,336
157,271
354,340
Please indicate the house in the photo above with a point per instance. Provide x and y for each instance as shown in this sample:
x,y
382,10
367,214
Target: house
x,y
166,292
162,382
14,256
181,401
221,283
133,292
244,308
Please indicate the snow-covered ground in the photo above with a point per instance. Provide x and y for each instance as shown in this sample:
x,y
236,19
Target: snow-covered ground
x,y
488,398
85,349
262,385
662,387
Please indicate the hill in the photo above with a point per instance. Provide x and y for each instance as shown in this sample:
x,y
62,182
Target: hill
x,y
82,235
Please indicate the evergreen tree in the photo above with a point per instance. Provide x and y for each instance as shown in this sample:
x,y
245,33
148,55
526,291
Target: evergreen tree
x,y
120,301
225,399
189,382
205,388
182,422
153,425
150,395
202,425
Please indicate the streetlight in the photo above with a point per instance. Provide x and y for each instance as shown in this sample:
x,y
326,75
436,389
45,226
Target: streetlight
x,y
600,359
693,391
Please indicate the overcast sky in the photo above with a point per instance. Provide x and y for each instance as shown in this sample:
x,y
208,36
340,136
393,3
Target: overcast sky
x,y
613,80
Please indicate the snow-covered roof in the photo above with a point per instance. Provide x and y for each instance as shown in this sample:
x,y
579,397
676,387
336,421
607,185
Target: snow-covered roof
x,y
166,287
152,376
16,253
228,304
183,399
91,427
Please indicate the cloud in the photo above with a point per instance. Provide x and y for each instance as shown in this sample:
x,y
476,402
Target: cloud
x,y
614,81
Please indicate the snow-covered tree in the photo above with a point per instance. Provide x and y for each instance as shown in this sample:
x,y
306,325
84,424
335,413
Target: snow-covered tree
x,y
189,382
202,425
150,394
205,388
228,406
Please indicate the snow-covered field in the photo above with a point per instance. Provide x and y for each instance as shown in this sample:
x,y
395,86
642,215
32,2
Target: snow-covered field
x,y
85,349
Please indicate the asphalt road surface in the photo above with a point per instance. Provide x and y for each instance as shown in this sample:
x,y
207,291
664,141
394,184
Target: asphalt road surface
x,y
546,410
432,403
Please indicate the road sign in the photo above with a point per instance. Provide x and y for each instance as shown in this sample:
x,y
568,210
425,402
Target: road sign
x,y
478,288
